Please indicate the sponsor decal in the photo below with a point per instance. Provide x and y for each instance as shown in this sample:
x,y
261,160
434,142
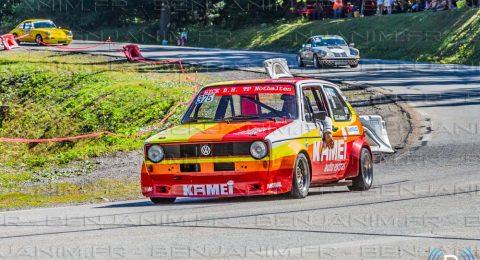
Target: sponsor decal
x,y
334,167
209,93
274,185
208,189
353,130
254,131
338,153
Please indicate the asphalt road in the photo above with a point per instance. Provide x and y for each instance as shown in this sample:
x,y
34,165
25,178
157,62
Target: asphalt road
x,y
423,198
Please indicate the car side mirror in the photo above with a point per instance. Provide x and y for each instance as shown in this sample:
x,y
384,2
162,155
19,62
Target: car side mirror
x,y
352,44
320,115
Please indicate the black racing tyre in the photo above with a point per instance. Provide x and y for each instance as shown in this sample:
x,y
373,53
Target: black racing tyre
x,y
316,62
364,179
301,177
15,36
38,40
162,200
300,61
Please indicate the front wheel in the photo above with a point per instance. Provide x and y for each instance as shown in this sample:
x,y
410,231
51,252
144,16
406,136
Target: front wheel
x,y
162,200
38,40
300,61
364,179
316,62
301,178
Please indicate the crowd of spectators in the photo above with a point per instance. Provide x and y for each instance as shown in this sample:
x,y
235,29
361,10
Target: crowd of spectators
x,y
322,9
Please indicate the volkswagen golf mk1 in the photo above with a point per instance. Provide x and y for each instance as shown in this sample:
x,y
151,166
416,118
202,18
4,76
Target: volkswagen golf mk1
x,y
258,137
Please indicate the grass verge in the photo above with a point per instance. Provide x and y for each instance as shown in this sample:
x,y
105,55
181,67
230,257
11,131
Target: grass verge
x,y
48,94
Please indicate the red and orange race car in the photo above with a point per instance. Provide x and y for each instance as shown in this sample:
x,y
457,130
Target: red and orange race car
x,y
258,137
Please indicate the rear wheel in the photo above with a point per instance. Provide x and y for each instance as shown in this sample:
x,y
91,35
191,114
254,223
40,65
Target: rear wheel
x,y
162,200
301,177
38,40
364,179
300,61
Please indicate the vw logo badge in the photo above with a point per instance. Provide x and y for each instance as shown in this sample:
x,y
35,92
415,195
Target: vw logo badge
x,y
206,150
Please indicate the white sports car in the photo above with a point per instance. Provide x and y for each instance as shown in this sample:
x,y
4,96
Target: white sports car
x,y
326,50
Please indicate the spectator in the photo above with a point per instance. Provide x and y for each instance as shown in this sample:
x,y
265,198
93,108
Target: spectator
x,y
389,5
441,5
414,7
183,37
380,7
318,10
337,9
349,10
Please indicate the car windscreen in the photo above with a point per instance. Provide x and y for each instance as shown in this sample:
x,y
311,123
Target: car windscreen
x,y
243,103
318,42
44,24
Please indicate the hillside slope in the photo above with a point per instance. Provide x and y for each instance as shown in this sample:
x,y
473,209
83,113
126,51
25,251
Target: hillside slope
x,y
445,37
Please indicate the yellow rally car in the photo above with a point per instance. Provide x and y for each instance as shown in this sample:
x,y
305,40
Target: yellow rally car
x,y
261,137
41,31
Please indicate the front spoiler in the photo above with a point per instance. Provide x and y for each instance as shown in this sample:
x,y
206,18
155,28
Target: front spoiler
x,y
215,185
339,61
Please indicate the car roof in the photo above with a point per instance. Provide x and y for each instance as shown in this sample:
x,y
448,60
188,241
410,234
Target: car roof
x,y
330,36
36,20
269,81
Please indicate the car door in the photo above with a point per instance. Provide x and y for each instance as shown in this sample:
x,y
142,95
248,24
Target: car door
x,y
337,158
314,103
26,29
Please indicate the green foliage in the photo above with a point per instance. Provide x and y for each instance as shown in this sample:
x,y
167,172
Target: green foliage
x,y
447,37
46,95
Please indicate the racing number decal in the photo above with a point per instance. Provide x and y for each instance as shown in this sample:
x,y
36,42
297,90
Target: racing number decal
x,y
205,98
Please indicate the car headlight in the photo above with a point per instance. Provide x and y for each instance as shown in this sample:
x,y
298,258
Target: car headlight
x,y
70,33
353,52
258,150
155,153
322,53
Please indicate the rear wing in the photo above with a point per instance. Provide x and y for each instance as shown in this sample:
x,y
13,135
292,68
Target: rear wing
x,y
376,133
277,68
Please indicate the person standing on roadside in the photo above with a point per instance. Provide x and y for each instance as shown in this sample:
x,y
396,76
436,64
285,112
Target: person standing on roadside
x,y
337,8
183,37
318,10
380,7
389,5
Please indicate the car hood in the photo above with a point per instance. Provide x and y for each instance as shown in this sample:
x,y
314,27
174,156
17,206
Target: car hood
x,y
334,49
218,132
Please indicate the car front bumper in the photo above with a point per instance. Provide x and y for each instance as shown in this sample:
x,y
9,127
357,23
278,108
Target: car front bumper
x,y
58,40
339,61
215,184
